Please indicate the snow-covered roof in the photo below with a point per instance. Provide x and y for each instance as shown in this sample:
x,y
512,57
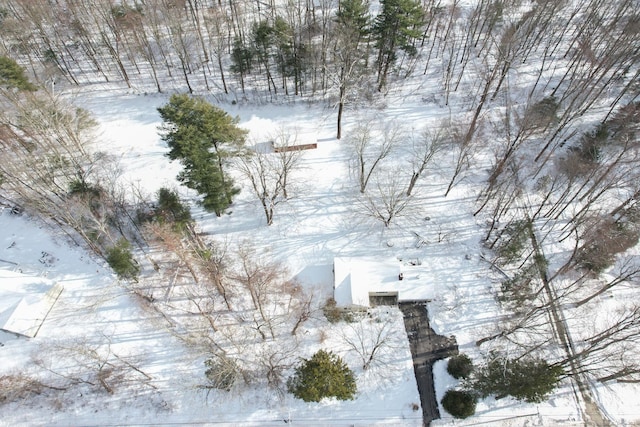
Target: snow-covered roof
x,y
356,278
299,139
25,301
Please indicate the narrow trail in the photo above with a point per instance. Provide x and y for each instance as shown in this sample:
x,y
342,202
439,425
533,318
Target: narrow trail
x,y
592,414
426,347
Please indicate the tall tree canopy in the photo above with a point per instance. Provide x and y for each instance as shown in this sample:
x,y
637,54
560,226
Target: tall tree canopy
x,y
352,26
396,27
528,379
202,136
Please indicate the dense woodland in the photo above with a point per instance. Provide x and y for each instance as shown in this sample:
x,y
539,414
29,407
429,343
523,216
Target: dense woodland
x,y
545,89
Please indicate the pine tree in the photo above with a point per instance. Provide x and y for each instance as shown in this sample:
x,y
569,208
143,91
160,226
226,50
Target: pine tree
x,y
121,260
202,136
263,45
528,379
241,60
396,27
324,375
351,31
12,75
171,210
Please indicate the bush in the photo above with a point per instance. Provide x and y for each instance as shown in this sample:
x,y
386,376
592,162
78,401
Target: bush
x,y
460,366
121,261
458,403
336,314
324,375
19,387
543,113
602,241
221,372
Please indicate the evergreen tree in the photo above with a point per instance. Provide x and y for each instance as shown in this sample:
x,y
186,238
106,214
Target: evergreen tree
x,y
170,209
263,45
460,404
324,375
121,260
460,366
351,31
12,75
396,27
241,59
202,136
291,53
530,380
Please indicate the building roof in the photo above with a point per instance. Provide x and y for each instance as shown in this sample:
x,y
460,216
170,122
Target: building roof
x,y
355,278
25,301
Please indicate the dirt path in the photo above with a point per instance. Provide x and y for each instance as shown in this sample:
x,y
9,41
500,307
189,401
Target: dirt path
x,y
426,347
591,412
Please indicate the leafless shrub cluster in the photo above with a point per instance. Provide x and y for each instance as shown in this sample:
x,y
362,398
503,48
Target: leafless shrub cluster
x,y
234,305
602,240
80,361
19,387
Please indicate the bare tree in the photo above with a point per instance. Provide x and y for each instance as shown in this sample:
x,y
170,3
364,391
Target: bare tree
x,y
462,151
266,281
49,166
94,363
368,153
171,241
387,200
423,149
274,360
607,351
213,260
627,272
268,174
349,56
369,337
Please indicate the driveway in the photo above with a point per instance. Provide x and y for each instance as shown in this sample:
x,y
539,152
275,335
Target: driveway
x,y
426,348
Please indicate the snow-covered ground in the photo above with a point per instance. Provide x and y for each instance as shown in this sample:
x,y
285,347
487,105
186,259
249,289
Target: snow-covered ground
x,y
321,221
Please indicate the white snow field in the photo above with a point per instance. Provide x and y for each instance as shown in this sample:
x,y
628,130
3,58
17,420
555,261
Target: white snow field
x,y
96,318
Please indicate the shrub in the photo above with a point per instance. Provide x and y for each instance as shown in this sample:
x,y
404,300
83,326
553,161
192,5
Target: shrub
x,y
460,366
459,403
602,241
221,372
121,261
18,387
336,314
324,375
543,113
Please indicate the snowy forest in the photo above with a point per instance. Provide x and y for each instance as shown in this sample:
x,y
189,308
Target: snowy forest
x,y
537,128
